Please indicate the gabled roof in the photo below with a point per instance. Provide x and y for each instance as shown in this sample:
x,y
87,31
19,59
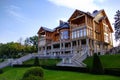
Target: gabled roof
x,y
107,20
75,14
45,29
93,15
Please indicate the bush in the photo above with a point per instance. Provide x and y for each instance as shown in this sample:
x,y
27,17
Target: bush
x,y
1,71
31,77
32,73
97,67
36,61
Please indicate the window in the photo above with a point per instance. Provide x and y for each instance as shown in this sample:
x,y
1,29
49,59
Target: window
x,y
84,32
72,35
75,35
106,37
105,28
80,32
78,35
64,34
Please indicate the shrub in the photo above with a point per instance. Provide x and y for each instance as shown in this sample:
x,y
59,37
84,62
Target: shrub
x,y
36,61
97,67
33,72
1,71
31,77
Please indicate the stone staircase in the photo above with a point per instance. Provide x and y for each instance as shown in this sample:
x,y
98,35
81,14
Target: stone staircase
x,y
75,60
4,64
11,62
78,58
22,59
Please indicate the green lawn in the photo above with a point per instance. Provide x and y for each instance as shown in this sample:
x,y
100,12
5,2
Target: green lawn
x,y
108,61
17,73
44,61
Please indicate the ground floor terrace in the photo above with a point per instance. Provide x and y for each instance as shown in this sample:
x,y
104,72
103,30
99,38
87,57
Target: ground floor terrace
x,y
74,46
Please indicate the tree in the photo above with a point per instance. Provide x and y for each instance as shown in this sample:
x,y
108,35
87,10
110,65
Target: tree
x,y
117,26
27,42
11,49
36,61
34,40
97,67
31,43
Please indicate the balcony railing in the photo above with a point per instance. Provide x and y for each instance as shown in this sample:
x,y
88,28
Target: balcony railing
x,y
75,25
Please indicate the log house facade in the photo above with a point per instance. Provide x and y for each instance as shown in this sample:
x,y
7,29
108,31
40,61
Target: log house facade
x,y
83,31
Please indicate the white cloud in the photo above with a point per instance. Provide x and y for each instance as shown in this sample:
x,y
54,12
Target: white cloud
x,y
101,1
84,5
14,11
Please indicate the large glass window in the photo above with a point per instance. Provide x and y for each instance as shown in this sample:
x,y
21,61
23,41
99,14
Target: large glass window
x,y
80,32
85,33
64,34
78,35
72,35
75,34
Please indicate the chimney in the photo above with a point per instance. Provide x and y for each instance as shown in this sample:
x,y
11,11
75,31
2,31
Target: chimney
x,y
61,23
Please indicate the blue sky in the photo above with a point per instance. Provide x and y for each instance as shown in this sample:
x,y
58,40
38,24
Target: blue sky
x,y
23,18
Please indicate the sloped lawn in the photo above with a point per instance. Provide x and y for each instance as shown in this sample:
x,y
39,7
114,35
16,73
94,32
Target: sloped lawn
x,y
11,73
108,61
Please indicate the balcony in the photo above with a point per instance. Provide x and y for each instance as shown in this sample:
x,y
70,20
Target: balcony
x,y
77,25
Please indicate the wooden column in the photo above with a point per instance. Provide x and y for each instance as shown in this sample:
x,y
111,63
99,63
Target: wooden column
x,y
80,43
71,47
45,50
77,43
87,45
51,48
63,47
60,47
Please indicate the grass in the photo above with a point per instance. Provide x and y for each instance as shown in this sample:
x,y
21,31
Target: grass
x,y
111,61
11,73
108,61
44,61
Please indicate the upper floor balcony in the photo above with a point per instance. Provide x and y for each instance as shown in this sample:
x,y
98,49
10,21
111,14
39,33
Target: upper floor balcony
x,y
77,25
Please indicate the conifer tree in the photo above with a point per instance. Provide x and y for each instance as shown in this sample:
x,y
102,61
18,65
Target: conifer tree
x,y
117,26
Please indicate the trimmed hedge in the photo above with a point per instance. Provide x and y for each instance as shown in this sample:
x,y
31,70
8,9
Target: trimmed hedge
x,y
109,71
25,65
63,68
97,67
112,71
1,71
36,62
